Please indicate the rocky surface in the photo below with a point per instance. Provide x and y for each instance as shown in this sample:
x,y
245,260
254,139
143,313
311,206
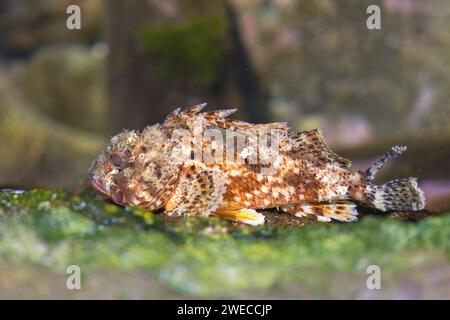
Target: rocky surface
x,y
131,253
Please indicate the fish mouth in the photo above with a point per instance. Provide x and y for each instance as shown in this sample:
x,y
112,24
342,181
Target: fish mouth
x,y
116,195
97,185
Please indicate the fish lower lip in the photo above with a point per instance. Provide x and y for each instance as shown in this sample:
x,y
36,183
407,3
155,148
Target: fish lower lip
x,y
118,198
98,186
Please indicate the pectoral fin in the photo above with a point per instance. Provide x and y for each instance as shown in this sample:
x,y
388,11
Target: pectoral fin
x,y
198,193
247,216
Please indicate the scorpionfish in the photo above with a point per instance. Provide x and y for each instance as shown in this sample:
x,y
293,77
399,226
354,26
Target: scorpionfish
x,y
203,163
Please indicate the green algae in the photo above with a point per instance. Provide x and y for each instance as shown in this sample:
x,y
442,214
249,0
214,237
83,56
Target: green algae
x,y
210,257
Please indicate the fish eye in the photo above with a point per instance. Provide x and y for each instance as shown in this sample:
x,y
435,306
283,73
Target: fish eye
x,y
117,160
158,173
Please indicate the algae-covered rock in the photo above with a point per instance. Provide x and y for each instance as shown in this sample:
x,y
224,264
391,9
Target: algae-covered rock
x,y
42,232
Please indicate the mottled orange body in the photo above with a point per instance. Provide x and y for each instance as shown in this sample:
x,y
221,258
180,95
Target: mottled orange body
x,y
203,163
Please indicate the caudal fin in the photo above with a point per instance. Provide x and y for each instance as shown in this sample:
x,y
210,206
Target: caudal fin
x,y
400,194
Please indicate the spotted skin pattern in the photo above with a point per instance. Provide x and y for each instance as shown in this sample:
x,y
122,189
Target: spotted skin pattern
x,y
186,167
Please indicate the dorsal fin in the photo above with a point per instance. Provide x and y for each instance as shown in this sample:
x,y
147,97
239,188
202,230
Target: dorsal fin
x,y
218,114
215,118
180,118
311,145
194,109
239,124
388,156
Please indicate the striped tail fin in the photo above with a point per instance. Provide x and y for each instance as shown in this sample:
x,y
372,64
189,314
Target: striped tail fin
x,y
399,194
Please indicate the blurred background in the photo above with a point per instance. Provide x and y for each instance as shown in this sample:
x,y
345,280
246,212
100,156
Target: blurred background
x,y
64,92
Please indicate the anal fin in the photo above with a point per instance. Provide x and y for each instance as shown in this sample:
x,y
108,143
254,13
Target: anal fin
x,y
324,212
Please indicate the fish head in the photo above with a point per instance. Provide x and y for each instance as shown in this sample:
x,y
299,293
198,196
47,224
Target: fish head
x,y
135,166
113,164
